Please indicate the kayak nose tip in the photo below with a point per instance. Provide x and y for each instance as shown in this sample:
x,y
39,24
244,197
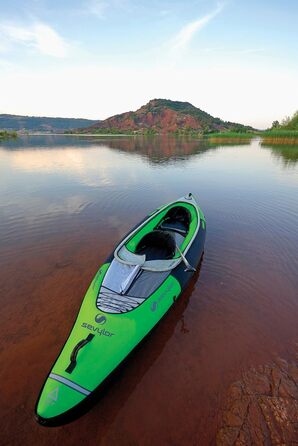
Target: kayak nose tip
x,y
52,421
55,401
40,420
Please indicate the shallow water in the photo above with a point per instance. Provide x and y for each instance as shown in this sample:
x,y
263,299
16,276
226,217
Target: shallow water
x,y
66,201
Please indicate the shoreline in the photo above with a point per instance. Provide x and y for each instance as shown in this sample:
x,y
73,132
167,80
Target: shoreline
x,y
245,138
267,137
72,134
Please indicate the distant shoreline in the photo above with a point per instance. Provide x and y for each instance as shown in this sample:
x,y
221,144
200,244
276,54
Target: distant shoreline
x,y
72,134
274,137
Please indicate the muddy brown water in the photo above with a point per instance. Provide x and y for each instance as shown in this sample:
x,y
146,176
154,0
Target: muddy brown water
x,y
66,201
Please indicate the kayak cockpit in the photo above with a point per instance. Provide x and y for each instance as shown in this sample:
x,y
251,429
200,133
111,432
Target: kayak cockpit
x,y
146,257
157,243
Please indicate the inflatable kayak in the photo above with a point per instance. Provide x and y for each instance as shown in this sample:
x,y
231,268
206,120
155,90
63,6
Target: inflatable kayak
x,y
128,296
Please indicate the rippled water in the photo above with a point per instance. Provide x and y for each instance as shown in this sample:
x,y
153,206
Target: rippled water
x,y
66,201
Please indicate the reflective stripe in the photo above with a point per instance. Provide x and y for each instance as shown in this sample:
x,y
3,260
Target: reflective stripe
x,y
69,383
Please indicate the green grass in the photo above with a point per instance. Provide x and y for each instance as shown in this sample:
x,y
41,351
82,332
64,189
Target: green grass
x,y
280,136
280,133
4,134
237,135
275,136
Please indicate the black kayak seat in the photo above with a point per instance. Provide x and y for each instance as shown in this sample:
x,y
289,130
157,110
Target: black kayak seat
x,y
157,245
176,227
176,219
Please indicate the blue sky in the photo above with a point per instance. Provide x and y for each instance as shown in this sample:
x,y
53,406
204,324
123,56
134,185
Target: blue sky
x,y
234,59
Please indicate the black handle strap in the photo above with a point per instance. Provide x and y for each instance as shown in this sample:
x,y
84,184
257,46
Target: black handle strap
x,y
74,353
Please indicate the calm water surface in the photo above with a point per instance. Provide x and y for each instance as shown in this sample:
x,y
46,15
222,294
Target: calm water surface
x,y
64,204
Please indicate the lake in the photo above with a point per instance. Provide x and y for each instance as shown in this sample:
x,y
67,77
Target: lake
x,y
66,201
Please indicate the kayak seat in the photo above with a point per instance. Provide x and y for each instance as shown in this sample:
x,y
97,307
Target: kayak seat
x,y
175,227
157,245
177,219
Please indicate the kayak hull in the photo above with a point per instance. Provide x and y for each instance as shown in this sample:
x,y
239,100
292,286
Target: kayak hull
x,y
68,394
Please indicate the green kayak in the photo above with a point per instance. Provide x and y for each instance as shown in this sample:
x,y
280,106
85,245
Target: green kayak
x,y
128,296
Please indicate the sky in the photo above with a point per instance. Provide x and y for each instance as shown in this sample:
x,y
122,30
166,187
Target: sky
x,y
235,59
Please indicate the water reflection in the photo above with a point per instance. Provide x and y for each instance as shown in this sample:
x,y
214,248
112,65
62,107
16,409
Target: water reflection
x,y
162,149
156,149
287,154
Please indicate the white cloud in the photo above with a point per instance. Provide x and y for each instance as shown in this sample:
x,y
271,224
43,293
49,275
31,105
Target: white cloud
x,y
185,35
38,36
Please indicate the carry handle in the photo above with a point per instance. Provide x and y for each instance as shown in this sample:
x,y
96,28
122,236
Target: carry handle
x,y
74,353
189,268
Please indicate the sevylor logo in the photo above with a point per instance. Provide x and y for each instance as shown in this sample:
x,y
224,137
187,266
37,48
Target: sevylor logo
x,y
154,304
100,319
100,331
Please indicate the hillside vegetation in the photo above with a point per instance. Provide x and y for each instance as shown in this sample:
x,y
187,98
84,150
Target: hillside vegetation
x,y
4,134
41,124
289,123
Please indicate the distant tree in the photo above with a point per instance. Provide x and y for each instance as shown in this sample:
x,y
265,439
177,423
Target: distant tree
x,y
238,129
275,125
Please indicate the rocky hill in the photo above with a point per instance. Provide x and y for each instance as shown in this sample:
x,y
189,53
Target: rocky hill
x,y
164,116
